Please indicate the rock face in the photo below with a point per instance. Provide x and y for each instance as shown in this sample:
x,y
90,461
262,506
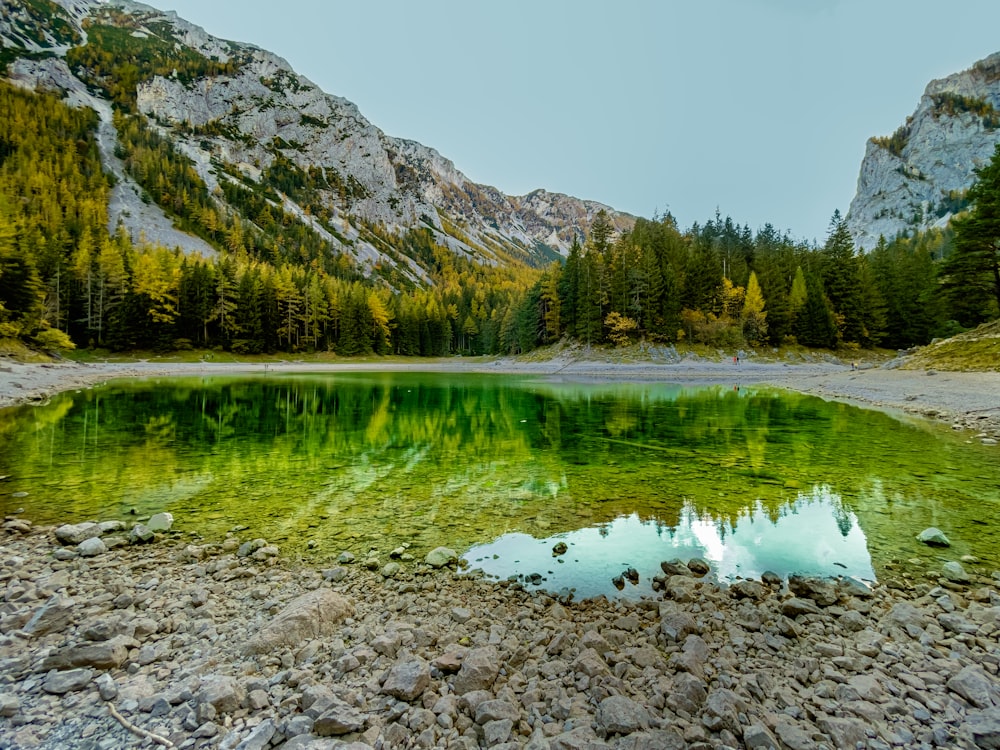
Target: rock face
x,y
263,111
915,178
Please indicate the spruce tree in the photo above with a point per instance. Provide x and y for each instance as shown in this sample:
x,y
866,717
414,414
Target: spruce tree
x,y
972,271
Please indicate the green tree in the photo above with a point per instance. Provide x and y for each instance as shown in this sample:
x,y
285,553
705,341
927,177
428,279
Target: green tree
x,y
972,271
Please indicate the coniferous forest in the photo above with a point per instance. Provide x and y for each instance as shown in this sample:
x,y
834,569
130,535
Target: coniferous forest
x,y
66,279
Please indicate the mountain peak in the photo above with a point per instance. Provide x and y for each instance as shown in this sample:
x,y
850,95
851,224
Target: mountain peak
x,y
917,177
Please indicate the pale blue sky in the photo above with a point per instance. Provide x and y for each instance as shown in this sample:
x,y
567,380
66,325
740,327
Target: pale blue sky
x,y
758,107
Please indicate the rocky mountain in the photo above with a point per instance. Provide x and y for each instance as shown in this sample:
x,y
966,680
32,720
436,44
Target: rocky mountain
x,y
248,122
917,177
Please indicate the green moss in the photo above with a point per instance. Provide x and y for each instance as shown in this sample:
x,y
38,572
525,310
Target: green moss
x,y
975,351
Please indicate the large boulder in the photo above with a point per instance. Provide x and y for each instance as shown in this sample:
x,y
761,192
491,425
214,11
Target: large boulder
x,y
73,533
479,670
441,556
315,614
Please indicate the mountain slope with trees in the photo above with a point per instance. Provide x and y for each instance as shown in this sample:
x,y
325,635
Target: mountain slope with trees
x,y
319,233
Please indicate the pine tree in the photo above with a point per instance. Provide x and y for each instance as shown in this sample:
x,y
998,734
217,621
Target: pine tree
x,y
972,271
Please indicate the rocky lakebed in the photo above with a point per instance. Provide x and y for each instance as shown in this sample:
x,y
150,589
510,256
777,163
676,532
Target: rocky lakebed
x,y
146,637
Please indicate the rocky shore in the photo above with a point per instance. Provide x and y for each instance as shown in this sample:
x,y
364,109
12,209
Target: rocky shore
x,y
170,642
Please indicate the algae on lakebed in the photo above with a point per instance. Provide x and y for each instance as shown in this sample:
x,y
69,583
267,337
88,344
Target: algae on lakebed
x,y
361,461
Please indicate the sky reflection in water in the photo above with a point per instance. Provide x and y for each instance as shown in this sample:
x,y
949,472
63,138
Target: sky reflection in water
x,y
814,535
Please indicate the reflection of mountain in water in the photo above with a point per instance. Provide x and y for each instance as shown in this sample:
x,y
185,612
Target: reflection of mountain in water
x,y
813,535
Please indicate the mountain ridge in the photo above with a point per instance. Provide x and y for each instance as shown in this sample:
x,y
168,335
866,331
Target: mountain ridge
x,y
252,111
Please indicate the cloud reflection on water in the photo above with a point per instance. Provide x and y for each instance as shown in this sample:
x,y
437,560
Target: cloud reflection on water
x,y
813,535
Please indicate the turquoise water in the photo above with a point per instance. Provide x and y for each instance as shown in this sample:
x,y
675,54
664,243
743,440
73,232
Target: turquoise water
x,y
502,467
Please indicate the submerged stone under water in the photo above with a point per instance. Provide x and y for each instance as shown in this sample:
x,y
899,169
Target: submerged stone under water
x,y
502,468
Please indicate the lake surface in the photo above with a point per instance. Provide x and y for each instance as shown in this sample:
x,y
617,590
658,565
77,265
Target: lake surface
x,y
501,468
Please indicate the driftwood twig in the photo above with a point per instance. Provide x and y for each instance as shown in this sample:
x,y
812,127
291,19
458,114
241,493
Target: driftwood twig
x,y
139,730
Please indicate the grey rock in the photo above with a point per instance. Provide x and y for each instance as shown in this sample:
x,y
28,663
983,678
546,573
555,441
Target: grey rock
x,y
91,547
407,680
260,737
160,522
111,527
722,710
578,738
338,719
747,589
59,683
106,686
985,728
297,725
52,617
109,654
907,617
479,670
956,623
954,572
675,626
699,566
345,558
9,705
933,537
494,710
844,732
441,556
795,606
675,567
689,693
391,570
620,715
248,548
972,683
497,732
334,575
72,534
823,591
757,737
141,534
314,614
221,692
794,737
656,739
902,187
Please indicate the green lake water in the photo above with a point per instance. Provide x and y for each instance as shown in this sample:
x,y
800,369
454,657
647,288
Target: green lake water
x,y
501,468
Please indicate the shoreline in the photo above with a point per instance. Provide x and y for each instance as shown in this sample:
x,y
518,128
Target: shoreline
x,y
965,400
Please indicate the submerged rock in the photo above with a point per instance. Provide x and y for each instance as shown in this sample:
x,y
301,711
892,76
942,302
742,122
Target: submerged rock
x,y
933,537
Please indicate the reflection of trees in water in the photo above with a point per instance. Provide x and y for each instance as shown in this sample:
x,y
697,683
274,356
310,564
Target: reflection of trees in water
x,y
465,455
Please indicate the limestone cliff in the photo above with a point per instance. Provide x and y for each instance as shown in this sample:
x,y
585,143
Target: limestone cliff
x,y
917,177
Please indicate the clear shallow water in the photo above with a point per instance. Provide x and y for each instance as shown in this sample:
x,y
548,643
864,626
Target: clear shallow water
x,y
501,468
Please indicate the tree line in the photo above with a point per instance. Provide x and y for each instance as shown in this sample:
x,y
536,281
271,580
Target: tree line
x,y
66,279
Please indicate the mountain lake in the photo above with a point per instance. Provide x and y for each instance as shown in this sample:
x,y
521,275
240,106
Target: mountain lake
x,y
503,468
